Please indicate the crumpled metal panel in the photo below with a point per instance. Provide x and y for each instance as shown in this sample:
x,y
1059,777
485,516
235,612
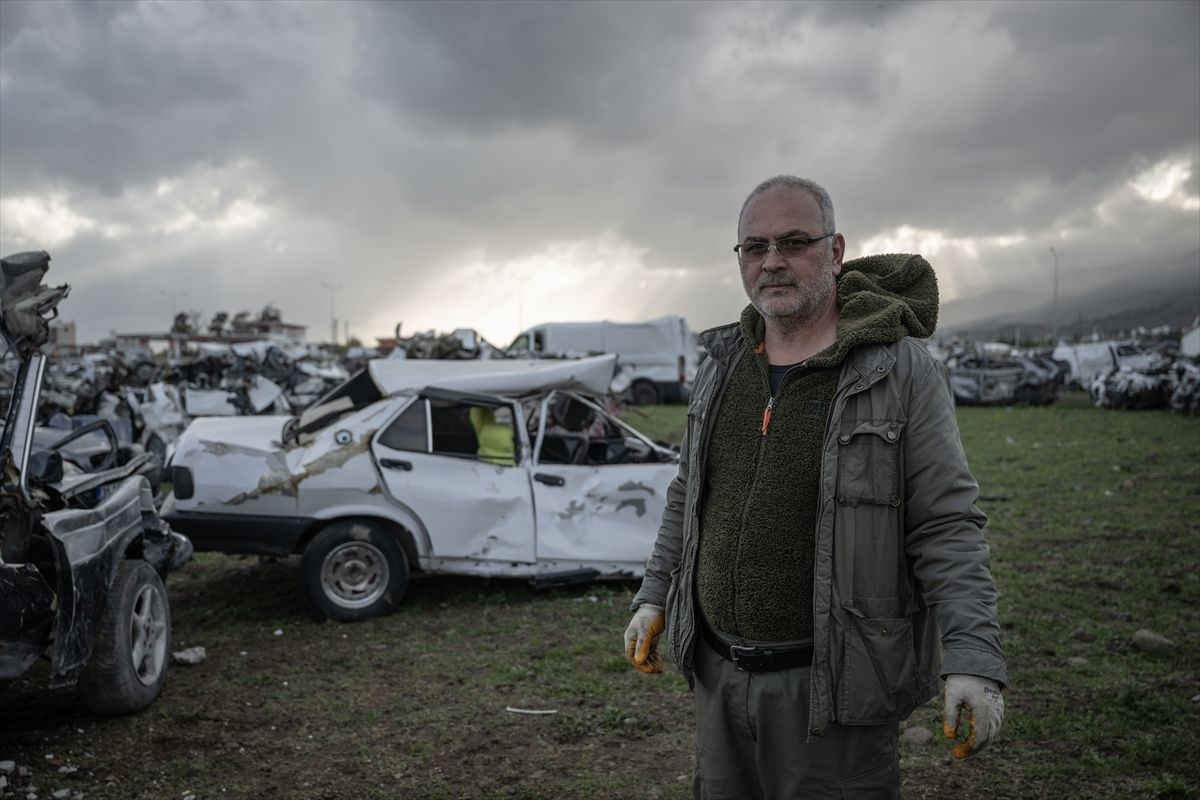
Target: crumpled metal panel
x,y
604,517
88,543
502,376
28,604
473,512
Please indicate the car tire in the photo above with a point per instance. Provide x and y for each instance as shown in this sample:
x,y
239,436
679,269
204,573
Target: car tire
x,y
645,393
129,658
354,570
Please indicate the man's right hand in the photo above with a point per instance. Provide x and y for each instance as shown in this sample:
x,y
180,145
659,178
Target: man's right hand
x,y
641,638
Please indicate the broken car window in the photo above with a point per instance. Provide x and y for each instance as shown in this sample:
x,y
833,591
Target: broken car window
x,y
579,433
358,392
473,431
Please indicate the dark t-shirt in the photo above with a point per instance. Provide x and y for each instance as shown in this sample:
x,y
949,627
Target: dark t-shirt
x,y
777,371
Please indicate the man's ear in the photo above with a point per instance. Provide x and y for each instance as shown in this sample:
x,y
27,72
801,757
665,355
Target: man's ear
x,y
838,248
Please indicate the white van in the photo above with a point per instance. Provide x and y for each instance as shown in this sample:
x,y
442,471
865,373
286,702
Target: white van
x,y
658,356
1089,359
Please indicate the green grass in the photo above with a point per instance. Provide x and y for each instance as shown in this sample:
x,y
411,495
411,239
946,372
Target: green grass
x,y
1094,534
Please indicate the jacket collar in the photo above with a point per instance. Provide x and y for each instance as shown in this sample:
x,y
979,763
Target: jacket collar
x,y
723,341
866,361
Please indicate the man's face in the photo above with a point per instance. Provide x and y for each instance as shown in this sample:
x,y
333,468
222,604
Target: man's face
x,y
799,288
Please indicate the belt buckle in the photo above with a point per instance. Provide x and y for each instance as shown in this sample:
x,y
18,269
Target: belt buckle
x,y
749,659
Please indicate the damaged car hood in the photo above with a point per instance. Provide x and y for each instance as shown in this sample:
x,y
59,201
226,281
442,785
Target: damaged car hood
x,y
253,433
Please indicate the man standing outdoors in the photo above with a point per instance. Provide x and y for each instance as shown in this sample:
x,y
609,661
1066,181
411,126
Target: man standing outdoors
x,y
821,562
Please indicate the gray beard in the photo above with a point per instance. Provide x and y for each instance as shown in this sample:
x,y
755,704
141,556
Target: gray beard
x,y
810,303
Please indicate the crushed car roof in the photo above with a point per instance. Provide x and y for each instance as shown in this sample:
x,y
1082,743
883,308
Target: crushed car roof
x,y
498,376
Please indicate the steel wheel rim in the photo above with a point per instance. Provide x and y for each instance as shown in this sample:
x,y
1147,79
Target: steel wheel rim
x,y
355,574
148,635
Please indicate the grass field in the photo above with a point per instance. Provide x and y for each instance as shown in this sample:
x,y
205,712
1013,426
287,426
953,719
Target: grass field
x,y
1094,533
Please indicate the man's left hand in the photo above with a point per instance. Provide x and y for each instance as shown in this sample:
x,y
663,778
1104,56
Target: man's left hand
x,y
984,705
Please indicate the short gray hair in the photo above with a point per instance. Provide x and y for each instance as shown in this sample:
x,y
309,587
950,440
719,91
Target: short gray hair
x,y
816,190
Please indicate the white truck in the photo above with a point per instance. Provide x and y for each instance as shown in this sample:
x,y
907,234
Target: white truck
x,y
1089,359
658,356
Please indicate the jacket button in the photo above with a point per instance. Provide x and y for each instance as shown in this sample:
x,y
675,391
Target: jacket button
x,y
844,438
895,501
881,368
891,434
860,386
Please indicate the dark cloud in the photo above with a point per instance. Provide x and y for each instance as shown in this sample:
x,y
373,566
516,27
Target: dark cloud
x,y
389,140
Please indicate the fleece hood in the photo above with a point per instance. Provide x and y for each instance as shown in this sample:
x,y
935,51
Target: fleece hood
x,y
881,299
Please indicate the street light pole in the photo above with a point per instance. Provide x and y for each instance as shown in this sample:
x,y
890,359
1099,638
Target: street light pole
x,y
173,295
332,316
1054,322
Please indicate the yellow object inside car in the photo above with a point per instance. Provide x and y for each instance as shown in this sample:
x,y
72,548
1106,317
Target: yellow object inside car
x,y
495,438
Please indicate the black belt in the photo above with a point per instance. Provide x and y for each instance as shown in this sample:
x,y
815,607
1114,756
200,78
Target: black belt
x,y
758,659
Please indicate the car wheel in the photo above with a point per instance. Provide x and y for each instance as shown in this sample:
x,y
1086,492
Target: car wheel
x,y
645,393
354,570
129,659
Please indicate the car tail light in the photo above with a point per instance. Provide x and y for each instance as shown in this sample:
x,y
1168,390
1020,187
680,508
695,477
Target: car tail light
x,y
181,480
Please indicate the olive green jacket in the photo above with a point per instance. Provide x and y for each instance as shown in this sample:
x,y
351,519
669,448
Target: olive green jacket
x,y
901,566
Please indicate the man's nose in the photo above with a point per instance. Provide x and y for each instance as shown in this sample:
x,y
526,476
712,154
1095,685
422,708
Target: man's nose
x,y
773,261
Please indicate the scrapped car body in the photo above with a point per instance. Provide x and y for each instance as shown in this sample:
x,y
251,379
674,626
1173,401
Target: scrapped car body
x,y
978,377
83,553
490,468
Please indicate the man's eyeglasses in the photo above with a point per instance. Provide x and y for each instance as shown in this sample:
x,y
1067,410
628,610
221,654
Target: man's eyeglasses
x,y
791,247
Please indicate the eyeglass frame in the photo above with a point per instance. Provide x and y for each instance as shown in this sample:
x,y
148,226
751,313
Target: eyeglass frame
x,y
807,242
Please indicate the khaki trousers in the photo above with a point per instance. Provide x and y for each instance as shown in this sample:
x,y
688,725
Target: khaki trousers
x,y
750,732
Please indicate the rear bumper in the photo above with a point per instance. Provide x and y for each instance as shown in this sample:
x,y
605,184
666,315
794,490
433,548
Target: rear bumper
x,y
240,533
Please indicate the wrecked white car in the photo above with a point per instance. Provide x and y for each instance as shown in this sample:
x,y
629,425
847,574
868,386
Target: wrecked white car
x,y
492,468
83,554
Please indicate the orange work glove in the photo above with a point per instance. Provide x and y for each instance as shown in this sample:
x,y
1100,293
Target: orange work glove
x,y
641,638
985,711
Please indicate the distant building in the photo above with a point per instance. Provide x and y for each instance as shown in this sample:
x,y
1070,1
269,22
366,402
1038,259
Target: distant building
x,y
244,327
62,333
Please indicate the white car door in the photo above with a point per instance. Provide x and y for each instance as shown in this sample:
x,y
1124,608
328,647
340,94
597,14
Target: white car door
x,y
599,489
439,457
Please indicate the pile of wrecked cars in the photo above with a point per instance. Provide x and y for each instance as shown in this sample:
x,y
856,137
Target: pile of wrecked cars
x,y
83,553
994,374
149,400
1169,381
489,468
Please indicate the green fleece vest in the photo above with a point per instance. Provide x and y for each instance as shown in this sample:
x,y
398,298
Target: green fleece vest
x,y
754,572
754,577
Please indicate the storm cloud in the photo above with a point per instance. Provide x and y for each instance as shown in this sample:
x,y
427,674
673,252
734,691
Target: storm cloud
x,y
491,164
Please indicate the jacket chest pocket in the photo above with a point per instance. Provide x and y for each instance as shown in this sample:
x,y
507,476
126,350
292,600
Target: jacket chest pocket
x,y
869,461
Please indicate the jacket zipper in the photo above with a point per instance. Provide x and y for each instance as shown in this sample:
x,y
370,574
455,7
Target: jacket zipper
x,y
767,414
758,459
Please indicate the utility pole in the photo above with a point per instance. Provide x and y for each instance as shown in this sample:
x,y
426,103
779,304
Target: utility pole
x,y
1054,322
173,295
520,305
332,316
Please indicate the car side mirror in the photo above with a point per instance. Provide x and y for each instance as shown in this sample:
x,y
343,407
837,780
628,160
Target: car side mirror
x,y
46,466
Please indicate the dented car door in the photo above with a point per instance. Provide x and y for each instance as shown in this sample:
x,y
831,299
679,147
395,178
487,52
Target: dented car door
x,y
599,489
456,462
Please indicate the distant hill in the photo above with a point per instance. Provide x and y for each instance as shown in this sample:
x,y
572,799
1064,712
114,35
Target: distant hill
x,y
1127,296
